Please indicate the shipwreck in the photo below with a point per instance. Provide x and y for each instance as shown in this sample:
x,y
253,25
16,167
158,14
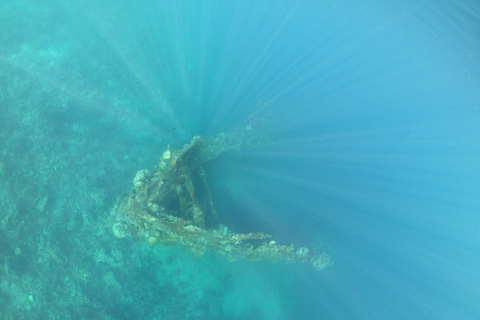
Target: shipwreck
x,y
171,204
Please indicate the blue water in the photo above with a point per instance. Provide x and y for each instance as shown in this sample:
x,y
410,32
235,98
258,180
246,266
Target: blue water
x,y
372,112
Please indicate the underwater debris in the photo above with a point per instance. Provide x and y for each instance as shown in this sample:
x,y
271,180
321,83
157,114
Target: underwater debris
x,y
172,205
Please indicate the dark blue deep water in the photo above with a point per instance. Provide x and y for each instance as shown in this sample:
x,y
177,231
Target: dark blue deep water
x,y
371,110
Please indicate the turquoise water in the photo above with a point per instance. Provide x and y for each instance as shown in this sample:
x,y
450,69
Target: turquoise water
x,y
372,113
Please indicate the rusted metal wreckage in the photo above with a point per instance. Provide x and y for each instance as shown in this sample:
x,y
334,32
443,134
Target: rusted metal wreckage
x,y
172,205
